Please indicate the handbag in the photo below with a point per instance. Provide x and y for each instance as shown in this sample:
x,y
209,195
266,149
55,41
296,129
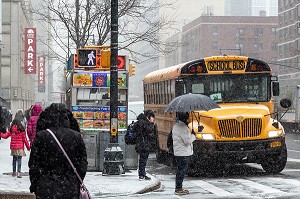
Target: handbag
x,y
84,192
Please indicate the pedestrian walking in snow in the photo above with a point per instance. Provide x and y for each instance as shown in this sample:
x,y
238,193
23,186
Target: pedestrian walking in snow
x,y
18,139
146,140
21,117
50,173
2,121
183,149
31,126
27,113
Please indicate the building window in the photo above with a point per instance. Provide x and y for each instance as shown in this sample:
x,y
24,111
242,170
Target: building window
x,y
215,30
239,31
258,47
239,46
298,10
298,44
281,50
258,32
285,32
274,46
214,45
286,2
274,30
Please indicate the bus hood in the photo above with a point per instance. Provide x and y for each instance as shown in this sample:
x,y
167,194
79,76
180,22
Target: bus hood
x,y
234,109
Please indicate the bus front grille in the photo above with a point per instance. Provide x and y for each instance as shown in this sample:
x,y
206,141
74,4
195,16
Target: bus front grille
x,y
231,128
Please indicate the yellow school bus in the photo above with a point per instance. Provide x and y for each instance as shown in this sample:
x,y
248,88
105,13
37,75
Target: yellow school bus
x,y
243,130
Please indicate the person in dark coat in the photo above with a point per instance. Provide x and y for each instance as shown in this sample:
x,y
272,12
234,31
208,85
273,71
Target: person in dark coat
x,y
2,121
146,140
50,173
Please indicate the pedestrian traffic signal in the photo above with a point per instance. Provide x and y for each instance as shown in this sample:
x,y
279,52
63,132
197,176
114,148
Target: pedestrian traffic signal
x,y
87,57
105,59
131,69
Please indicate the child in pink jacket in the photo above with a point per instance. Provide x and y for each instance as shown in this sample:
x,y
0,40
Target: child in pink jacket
x,y
18,139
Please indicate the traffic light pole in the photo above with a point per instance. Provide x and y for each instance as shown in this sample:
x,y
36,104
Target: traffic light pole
x,y
114,72
113,155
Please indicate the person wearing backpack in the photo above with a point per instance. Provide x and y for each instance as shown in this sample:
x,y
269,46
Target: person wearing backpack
x,y
183,149
146,140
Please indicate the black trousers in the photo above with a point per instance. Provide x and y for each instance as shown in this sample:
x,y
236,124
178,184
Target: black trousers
x,y
182,166
143,162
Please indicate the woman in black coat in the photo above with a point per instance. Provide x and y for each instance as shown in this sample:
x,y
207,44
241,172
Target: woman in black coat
x,y
146,140
2,121
50,173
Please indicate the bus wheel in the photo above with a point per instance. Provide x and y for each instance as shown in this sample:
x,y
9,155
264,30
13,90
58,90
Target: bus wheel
x,y
274,164
195,171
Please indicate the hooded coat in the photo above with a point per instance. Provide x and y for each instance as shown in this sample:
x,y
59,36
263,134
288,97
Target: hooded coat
x,y
31,126
18,139
50,173
146,134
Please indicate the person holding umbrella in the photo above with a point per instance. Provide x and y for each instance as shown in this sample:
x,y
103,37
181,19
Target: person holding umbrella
x,y
183,149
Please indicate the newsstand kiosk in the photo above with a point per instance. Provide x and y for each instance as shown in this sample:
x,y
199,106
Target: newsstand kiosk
x,y
88,97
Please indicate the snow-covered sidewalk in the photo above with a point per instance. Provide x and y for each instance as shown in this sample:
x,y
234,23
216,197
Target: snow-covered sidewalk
x,y
98,185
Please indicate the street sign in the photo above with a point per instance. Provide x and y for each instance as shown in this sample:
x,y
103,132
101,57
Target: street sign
x,y
30,51
121,62
41,74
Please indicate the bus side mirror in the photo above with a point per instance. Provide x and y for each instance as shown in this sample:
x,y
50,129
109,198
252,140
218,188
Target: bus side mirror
x,y
275,88
285,103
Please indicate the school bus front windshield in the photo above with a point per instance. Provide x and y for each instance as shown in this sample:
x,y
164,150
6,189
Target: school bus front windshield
x,y
230,87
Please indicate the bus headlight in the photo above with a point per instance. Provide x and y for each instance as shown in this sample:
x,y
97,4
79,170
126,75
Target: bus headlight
x,y
276,133
205,136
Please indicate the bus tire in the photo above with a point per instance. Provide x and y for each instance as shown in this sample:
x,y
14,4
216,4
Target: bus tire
x,y
195,170
275,163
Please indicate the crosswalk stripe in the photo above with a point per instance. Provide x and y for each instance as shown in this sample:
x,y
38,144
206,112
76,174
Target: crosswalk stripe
x,y
293,160
286,181
258,186
211,188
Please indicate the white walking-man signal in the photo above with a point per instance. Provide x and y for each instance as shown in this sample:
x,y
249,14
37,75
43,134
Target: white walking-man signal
x,y
91,58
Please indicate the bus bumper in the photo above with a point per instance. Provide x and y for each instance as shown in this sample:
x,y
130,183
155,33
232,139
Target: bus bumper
x,y
252,151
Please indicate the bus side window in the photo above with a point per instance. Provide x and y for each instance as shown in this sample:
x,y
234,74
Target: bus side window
x,y
179,87
198,88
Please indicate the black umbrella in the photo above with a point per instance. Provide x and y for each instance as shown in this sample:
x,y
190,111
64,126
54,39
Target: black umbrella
x,y
191,102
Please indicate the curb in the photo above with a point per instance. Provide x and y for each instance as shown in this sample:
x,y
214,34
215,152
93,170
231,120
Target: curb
x,y
16,195
151,187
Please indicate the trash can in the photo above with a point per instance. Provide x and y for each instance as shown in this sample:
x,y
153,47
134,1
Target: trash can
x,y
131,157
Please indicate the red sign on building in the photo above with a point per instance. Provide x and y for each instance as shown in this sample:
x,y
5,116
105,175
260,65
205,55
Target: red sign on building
x,y
41,74
30,51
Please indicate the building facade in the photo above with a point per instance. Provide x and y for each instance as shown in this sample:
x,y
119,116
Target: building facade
x,y
16,87
254,37
182,12
289,36
251,7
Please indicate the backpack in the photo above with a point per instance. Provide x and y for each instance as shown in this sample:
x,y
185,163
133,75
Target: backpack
x,y
170,143
130,138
